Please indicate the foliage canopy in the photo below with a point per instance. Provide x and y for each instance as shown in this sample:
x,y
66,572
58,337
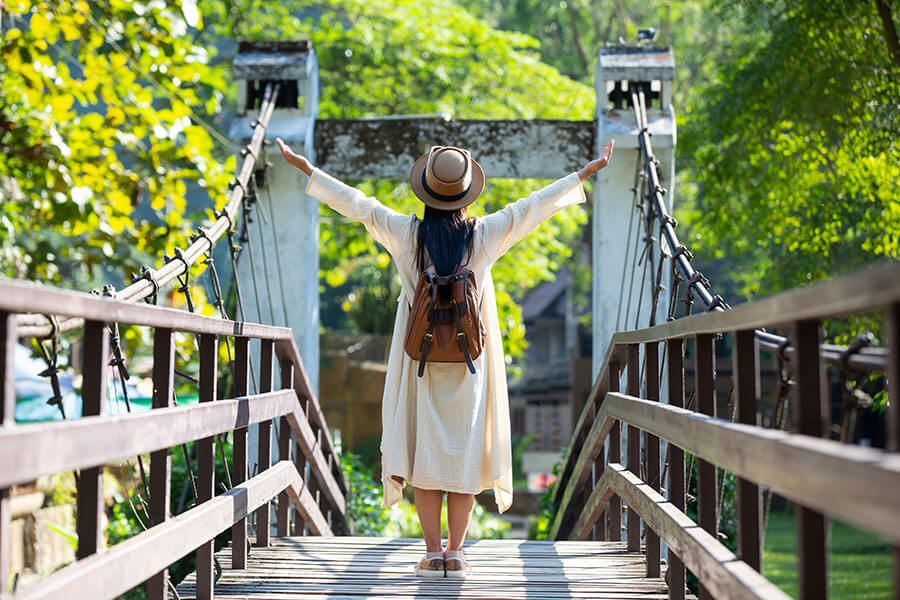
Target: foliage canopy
x,y
103,127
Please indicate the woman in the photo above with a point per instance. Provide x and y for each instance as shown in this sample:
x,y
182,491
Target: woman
x,y
447,431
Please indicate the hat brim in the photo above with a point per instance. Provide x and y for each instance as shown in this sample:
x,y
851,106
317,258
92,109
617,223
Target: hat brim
x,y
415,182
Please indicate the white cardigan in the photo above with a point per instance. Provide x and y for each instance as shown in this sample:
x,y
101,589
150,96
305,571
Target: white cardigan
x,y
448,430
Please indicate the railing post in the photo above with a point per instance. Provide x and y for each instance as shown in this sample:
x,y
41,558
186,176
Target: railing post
x,y
614,509
893,377
319,497
651,373
93,400
811,418
746,386
634,444
705,381
8,341
675,372
284,450
240,388
160,461
264,452
206,473
586,494
305,472
598,531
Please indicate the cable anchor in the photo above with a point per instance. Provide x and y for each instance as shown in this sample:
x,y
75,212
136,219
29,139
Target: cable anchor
x,y
147,274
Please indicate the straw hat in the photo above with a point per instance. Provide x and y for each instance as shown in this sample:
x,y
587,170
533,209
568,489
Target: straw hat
x,y
446,178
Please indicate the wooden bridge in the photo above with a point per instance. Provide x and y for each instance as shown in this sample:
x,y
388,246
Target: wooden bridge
x,y
313,553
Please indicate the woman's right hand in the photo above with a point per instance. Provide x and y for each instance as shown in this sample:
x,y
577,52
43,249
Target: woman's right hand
x,y
294,159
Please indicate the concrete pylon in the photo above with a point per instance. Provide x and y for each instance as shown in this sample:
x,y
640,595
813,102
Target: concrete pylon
x,y
618,228
291,299
287,214
620,301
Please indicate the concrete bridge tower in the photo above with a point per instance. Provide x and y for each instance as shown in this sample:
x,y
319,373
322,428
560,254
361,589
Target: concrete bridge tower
x,y
292,231
618,228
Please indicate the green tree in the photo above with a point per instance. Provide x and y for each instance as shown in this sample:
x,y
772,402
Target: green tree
x,y
793,150
104,109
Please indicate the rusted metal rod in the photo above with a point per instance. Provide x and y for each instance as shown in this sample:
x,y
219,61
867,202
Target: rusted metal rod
x,y
31,325
868,359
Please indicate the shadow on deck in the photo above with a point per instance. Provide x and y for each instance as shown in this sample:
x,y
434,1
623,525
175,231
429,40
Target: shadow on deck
x,y
357,567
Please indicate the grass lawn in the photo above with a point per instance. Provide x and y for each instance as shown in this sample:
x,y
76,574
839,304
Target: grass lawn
x,y
860,564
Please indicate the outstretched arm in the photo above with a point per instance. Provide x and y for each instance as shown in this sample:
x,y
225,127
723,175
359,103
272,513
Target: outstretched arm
x,y
386,226
505,227
598,163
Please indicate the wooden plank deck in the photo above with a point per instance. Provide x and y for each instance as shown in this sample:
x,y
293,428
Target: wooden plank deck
x,y
359,567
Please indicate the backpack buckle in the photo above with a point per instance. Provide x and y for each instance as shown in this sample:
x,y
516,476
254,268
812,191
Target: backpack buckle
x,y
429,336
460,335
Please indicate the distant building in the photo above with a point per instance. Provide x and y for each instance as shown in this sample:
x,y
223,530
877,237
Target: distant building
x,y
546,400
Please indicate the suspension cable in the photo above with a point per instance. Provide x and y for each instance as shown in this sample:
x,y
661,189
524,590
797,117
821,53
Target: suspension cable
x,y
698,288
636,195
29,325
268,188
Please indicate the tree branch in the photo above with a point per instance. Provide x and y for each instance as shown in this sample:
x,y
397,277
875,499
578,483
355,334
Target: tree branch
x,y
890,31
576,36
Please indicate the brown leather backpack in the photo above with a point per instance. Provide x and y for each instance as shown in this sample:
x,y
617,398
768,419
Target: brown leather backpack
x,y
445,320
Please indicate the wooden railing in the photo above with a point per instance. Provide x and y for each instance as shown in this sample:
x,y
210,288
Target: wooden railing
x,y
823,478
87,443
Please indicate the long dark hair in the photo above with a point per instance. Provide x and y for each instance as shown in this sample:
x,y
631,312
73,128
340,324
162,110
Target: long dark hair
x,y
448,238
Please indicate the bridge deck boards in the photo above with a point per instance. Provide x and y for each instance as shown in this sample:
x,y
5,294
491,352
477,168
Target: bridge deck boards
x,y
356,567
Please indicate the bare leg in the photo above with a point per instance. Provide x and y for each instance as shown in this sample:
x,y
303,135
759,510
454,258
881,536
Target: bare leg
x,y
459,512
428,507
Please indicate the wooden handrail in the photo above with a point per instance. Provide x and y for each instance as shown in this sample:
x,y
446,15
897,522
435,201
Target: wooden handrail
x,y
109,574
825,479
27,297
23,297
30,451
866,290
87,443
717,567
833,478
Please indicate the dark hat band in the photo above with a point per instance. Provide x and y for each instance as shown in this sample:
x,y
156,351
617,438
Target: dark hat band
x,y
442,196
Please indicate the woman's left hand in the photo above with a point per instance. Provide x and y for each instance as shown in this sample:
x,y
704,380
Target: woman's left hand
x,y
294,159
598,163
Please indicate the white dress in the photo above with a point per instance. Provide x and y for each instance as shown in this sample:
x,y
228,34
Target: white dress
x,y
448,430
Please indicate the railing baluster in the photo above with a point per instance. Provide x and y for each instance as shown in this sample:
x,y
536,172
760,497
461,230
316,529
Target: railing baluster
x,y
161,461
8,341
675,372
614,510
93,400
284,450
705,381
241,387
811,418
746,387
893,378
264,452
206,472
651,372
634,444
